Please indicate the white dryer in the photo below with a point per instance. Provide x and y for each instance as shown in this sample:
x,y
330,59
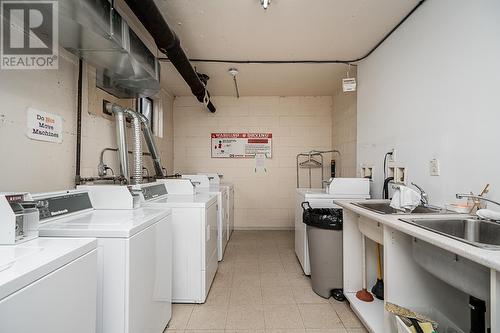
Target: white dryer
x,y
46,284
194,221
339,188
134,252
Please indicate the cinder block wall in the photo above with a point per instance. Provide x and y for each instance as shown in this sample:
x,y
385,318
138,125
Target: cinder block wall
x,y
263,200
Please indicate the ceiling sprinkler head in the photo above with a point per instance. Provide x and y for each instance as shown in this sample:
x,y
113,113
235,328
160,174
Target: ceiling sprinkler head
x,y
265,3
233,71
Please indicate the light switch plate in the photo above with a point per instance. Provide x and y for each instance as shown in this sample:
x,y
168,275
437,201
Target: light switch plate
x,y
434,168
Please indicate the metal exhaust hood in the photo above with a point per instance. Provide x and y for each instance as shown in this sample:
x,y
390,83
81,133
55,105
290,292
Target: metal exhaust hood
x,y
95,32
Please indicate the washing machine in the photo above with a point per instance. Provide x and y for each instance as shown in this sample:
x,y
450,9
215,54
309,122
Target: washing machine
x,y
194,230
216,180
337,189
203,184
46,284
134,258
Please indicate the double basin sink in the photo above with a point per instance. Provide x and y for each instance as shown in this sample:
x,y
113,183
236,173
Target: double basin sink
x,y
479,233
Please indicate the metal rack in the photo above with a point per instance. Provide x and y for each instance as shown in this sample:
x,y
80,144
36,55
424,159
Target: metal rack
x,y
314,160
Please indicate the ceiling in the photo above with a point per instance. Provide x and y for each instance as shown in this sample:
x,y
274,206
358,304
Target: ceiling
x,y
288,30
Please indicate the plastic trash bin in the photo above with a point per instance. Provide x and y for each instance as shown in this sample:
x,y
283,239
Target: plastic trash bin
x,y
324,239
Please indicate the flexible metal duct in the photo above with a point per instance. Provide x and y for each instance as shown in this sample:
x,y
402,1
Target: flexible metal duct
x,y
136,125
168,43
121,140
138,120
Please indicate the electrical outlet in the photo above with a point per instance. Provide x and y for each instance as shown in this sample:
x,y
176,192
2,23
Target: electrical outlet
x,y
434,168
392,157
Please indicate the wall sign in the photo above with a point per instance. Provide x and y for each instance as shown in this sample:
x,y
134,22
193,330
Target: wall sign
x,y
241,145
43,126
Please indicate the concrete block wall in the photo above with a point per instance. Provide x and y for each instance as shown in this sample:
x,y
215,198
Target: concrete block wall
x,y
263,200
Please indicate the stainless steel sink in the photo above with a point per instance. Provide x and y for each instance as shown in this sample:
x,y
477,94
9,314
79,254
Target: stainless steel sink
x,y
480,233
385,208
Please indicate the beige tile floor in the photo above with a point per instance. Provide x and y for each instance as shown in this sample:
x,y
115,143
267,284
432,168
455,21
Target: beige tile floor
x,y
260,287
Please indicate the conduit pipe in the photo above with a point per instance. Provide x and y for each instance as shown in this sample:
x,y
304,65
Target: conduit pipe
x,y
168,43
150,142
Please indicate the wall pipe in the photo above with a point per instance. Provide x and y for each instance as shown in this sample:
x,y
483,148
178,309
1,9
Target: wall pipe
x,y
79,123
169,44
150,142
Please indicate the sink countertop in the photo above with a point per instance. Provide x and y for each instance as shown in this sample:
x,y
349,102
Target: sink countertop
x,y
488,258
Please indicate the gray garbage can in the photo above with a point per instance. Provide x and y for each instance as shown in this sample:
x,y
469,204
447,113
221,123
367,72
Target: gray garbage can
x,y
324,238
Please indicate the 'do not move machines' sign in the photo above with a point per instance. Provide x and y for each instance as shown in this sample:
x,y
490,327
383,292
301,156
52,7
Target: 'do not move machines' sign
x,y
241,145
43,126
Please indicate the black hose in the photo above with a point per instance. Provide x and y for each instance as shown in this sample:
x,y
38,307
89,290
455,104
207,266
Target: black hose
x,y
385,191
79,123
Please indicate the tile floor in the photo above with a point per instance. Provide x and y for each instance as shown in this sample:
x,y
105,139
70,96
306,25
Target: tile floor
x,y
260,287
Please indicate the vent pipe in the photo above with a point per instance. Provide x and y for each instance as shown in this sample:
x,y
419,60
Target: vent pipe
x,y
169,44
121,139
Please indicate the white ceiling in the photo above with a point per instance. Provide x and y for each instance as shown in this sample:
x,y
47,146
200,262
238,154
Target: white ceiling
x,y
288,30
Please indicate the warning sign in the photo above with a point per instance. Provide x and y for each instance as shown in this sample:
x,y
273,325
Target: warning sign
x,y
241,145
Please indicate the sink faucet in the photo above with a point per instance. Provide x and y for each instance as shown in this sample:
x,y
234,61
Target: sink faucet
x,y
424,196
476,197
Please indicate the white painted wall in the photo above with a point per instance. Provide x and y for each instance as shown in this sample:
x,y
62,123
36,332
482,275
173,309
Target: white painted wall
x,y
344,128
35,166
432,91
263,200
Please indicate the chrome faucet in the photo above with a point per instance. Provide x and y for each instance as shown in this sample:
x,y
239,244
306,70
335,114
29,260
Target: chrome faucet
x,y
424,196
476,198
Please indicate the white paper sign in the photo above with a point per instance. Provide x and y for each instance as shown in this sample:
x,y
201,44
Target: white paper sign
x,y
241,145
349,84
43,126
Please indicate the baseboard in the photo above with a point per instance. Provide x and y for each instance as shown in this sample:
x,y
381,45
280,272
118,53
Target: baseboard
x,y
264,228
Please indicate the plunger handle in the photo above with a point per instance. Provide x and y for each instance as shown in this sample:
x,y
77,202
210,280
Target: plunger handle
x,y
379,263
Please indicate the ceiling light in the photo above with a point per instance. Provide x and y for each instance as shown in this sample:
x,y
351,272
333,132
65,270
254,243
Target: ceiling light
x,y
265,3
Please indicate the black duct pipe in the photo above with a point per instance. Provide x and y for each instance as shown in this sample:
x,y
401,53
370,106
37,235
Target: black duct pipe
x,y
168,42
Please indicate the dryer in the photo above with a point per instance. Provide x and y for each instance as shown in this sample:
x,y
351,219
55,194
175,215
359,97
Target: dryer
x,y
338,189
46,284
134,258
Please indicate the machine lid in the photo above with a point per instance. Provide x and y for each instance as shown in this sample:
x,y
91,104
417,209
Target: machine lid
x,y
104,223
21,265
184,201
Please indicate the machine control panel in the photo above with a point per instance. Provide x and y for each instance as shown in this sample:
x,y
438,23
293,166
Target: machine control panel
x,y
18,218
154,191
64,204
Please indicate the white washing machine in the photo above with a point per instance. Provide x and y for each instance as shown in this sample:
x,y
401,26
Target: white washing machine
x,y
203,184
194,221
194,231
134,258
46,284
339,188
215,180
